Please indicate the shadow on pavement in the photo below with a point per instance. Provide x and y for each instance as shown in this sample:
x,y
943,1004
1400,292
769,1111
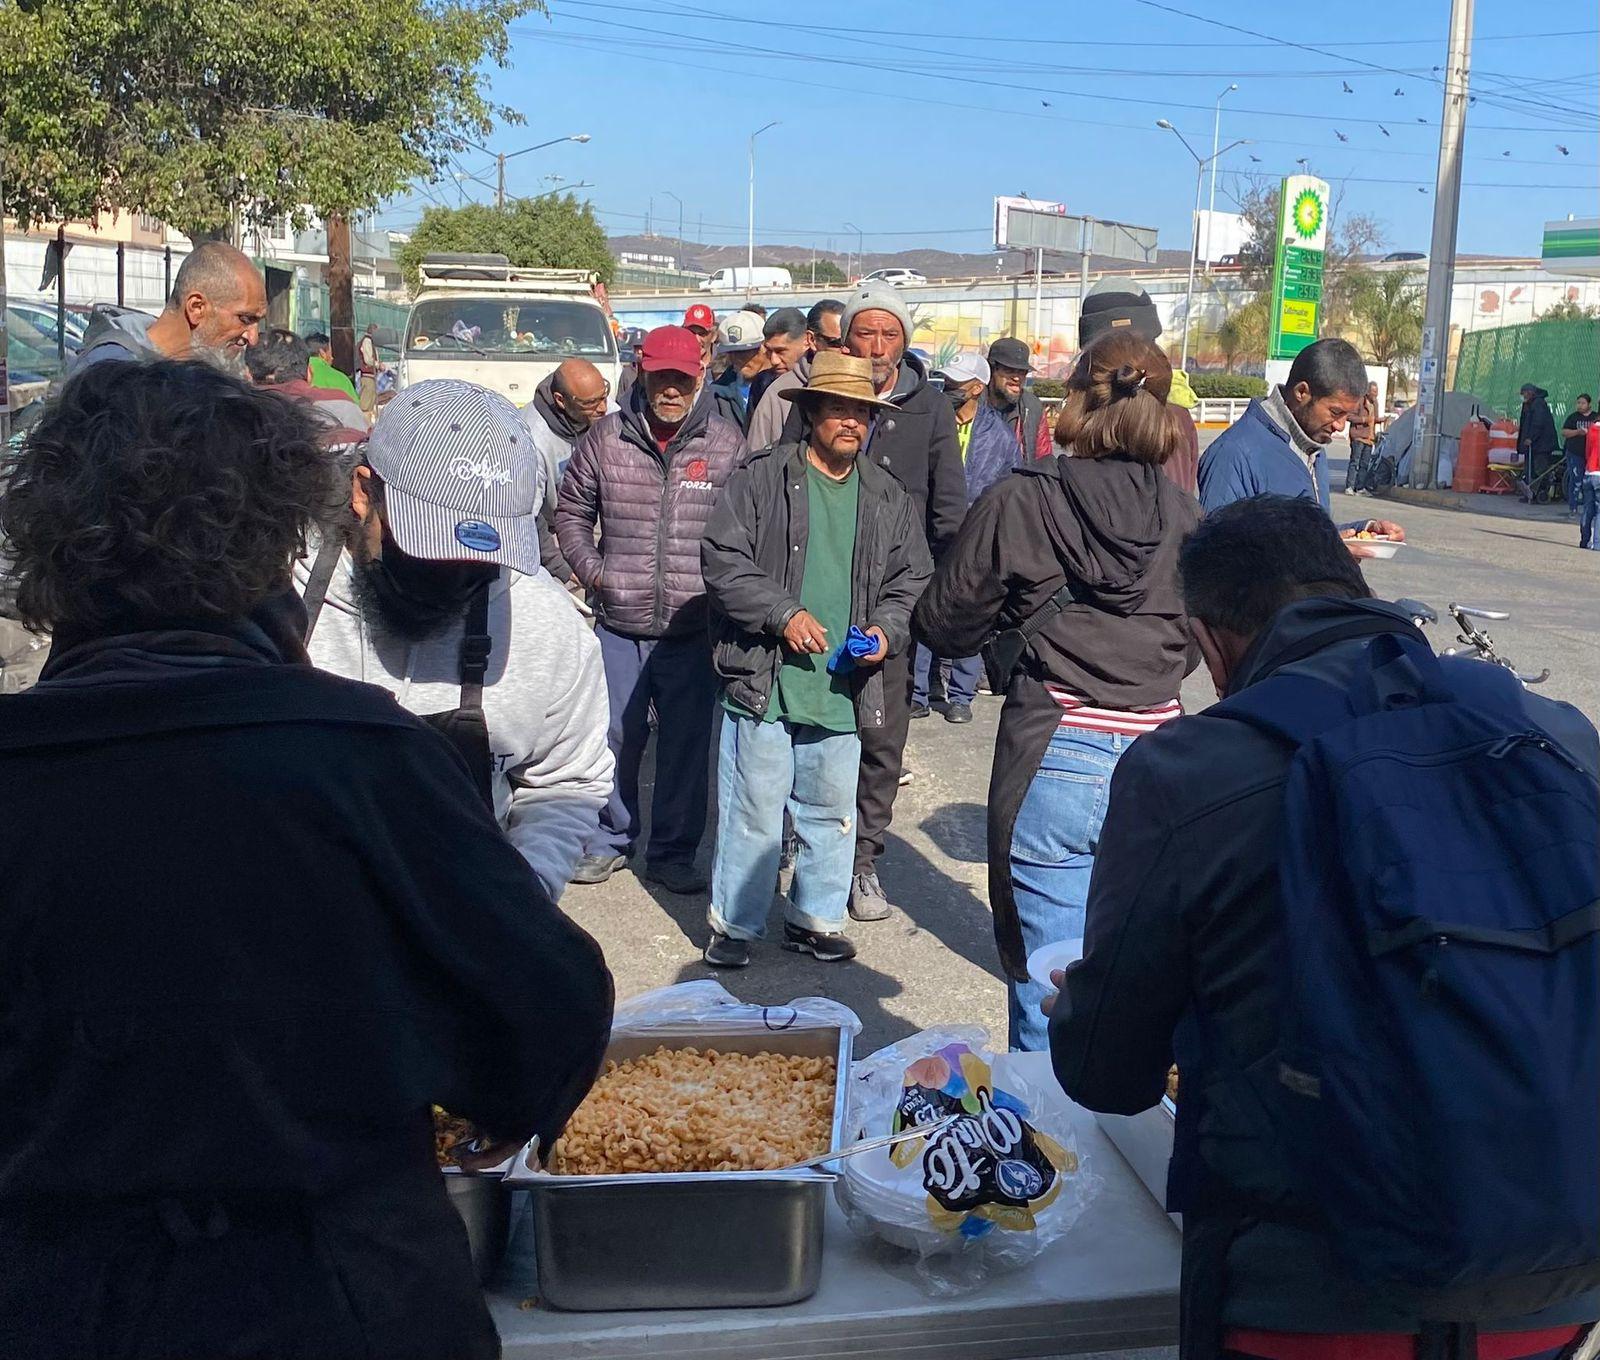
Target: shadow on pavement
x,y
960,830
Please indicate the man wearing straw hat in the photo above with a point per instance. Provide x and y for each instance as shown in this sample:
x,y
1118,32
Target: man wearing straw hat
x,y
812,562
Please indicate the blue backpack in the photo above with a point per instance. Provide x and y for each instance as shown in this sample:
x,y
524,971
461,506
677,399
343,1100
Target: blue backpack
x,y
1437,1085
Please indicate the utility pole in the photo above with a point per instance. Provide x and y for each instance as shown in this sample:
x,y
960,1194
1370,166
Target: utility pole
x,y
500,181
61,296
1442,252
1083,265
1038,293
341,295
750,259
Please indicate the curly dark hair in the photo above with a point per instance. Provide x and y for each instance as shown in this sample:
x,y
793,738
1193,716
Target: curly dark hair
x,y
160,491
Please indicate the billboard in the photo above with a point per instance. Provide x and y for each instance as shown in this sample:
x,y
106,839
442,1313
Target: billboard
x,y
1297,265
1033,224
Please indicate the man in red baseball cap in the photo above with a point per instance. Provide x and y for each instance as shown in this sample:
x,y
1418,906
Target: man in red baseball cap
x,y
648,476
703,322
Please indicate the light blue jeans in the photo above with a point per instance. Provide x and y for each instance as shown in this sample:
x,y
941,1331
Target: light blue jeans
x,y
1052,857
761,769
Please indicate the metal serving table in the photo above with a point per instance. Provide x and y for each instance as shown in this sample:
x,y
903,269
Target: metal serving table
x,y
1109,1285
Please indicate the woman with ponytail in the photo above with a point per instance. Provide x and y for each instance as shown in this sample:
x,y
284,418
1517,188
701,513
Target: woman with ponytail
x,y
1066,573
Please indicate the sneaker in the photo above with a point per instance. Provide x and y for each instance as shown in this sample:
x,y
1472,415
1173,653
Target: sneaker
x,y
867,899
830,947
920,710
905,776
723,951
597,868
958,713
675,876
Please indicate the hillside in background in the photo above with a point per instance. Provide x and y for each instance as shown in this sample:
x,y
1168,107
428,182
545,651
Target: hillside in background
x,y
936,264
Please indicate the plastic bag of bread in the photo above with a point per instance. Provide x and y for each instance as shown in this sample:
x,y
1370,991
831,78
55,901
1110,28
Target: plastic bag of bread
x,y
988,1191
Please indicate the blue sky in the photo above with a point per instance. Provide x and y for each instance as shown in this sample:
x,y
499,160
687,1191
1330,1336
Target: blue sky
x,y
907,117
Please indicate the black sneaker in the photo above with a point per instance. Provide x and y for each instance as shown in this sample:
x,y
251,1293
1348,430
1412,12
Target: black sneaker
x,y
675,876
920,710
597,868
958,713
723,951
829,947
868,901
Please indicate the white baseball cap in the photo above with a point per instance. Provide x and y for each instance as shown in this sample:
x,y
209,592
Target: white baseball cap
x,y
741,331
965,367
461,476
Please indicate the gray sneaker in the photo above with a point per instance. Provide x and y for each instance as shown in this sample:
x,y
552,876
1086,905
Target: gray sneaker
x,y
867,899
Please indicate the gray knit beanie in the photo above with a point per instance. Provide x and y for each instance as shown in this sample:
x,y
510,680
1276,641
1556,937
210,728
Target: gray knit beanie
x,y
876,297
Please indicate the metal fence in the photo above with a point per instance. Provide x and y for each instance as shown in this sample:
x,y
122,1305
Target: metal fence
x,y
311,310
1563,357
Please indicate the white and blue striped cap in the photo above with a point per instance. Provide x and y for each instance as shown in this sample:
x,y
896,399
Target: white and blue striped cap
x,y
462,479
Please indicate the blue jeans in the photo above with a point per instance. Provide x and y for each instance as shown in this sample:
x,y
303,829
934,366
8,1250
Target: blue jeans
x,y
1589,495
1052,857
964,676
674,676
762,768
1573,480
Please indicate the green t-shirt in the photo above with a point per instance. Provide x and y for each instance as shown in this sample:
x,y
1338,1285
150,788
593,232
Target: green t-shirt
x,y
324,374
806,692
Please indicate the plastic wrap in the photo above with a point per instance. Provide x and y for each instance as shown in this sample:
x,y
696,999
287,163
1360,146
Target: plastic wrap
x,y
711,1004
989,1192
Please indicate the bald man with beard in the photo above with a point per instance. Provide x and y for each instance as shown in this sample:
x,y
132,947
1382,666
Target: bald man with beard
x,y
564,406
215,312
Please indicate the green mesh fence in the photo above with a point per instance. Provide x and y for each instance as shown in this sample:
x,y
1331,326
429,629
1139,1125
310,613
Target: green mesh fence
x,y
1563,357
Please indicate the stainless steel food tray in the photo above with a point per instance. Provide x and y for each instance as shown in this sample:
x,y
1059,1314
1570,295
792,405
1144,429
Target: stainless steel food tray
x,y
714,1239
1145,1142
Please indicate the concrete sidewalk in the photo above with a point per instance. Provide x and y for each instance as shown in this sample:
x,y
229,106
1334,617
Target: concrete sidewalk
x,y
1475,502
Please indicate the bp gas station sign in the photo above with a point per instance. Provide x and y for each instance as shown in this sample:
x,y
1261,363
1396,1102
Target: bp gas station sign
x,y
1297,265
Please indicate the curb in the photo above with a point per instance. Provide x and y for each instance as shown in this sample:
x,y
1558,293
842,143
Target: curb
x,y
1472,502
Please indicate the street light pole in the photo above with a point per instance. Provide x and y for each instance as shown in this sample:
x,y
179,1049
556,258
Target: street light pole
x,y
1442,251
1200,163
1216,136
679,202
860,251
501,157
750,260
500,185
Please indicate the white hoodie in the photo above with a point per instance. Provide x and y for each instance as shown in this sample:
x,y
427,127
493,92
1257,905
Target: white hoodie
x,y
544,701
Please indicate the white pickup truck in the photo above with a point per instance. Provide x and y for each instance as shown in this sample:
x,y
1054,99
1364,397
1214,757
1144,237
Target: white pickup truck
x,y
482,319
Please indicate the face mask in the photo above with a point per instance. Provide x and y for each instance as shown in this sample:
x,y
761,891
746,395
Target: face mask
x,y
414,597
958,397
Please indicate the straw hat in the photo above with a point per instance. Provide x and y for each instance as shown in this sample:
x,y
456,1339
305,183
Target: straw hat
x,y
838,375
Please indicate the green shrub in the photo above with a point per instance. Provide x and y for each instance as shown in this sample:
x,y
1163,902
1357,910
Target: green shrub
x,y
1049,389
1227,385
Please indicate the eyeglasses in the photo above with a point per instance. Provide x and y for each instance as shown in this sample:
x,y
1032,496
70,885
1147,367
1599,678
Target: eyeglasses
x,y
831,341
593,403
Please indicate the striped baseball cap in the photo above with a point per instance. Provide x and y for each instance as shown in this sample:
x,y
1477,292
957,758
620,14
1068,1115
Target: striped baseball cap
x,y
462,479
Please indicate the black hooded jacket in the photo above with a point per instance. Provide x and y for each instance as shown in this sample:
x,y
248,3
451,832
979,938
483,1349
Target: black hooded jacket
x,y
256,920
1536,427
1112,527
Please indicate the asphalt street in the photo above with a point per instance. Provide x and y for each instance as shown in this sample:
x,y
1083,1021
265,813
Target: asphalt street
x,y
933,962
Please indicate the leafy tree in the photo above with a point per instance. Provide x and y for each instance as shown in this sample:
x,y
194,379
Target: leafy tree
x,y
548,232
195,110
824,272
1386,313
1243,332
1569,309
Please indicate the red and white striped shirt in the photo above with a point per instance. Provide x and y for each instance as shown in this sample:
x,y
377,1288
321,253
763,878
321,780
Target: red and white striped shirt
x,y
1123,721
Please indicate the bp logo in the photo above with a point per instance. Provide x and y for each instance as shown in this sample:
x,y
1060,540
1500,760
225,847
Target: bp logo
x,y
1307,214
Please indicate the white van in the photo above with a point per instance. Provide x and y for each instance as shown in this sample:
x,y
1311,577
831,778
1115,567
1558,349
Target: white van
x,y
479,318
742,280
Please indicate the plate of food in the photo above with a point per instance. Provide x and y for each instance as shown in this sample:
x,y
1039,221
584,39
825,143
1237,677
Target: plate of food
x,y
1375,544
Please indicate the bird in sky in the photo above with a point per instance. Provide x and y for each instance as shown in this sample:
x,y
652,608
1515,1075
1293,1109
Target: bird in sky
x,y
1046,103
1505,153
1346,85
1399,93
1421,119
1383,129
1563,150
1340,135
1256,159
1421,190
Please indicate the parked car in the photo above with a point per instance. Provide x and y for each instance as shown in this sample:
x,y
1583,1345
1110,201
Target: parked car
x,y
744,280
899,278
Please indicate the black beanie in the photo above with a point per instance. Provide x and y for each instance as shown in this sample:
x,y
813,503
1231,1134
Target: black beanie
x,y
1115,304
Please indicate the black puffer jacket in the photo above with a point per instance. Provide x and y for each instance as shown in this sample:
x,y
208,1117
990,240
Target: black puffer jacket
x,y
1110,525
917,446
754,558
652,509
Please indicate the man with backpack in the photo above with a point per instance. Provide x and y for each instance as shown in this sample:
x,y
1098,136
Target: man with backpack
x,y
1356,903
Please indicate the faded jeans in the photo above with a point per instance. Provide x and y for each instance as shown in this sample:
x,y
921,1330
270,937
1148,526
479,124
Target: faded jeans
x,y
1589,498
1052,857
763,768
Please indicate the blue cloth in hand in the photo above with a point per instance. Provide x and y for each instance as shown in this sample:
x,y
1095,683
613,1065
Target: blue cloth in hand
x,y
856,645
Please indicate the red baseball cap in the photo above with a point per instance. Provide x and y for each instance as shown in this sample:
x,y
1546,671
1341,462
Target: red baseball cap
x,y
670,347
702,316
